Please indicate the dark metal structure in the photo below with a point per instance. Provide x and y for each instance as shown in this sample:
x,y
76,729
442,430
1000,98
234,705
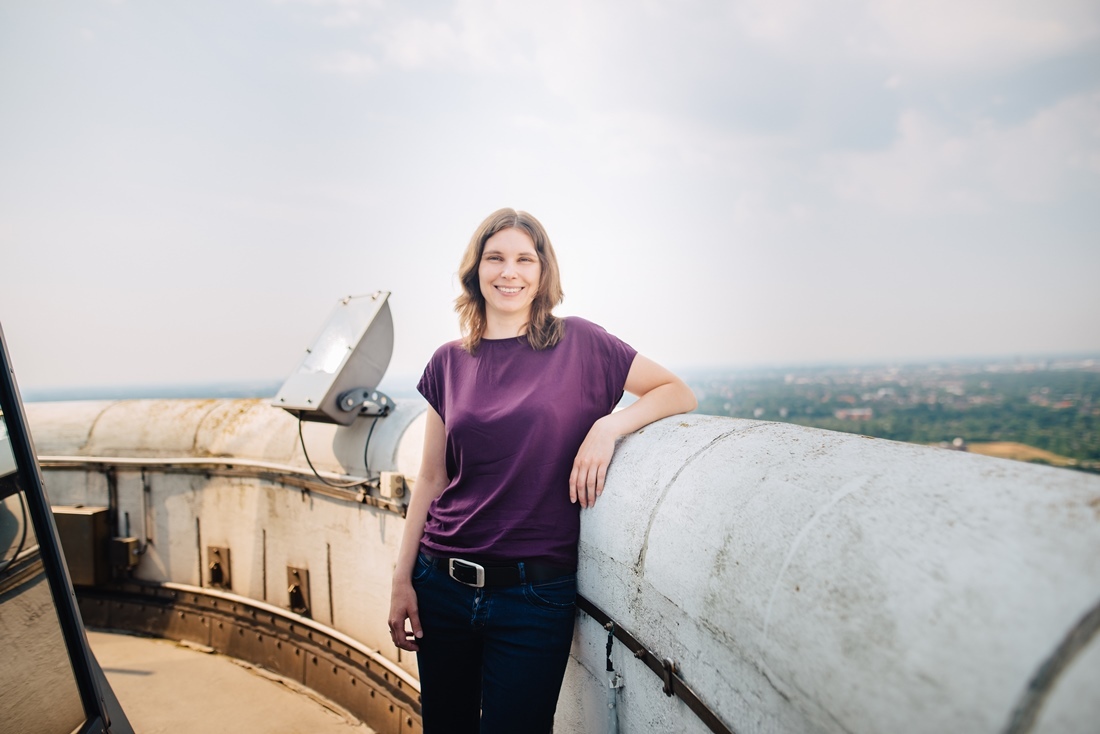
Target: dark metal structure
x,y
62,688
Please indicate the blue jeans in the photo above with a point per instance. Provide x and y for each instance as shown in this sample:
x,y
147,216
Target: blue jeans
x,y
492,659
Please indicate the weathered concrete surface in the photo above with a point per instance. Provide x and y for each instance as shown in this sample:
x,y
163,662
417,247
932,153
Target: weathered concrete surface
x,y
806,580
802,580
246,428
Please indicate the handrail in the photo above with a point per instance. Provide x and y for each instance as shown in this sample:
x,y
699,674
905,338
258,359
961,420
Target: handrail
x,y
373,655
286,474
674,685
358,678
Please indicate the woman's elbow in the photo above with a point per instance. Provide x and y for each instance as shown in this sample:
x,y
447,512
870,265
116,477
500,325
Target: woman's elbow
x,y
685,397
690,401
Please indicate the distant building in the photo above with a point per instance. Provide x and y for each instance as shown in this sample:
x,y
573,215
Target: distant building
x,y
854,414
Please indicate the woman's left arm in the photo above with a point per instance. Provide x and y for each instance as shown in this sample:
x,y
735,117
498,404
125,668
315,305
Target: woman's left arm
x,y
660,394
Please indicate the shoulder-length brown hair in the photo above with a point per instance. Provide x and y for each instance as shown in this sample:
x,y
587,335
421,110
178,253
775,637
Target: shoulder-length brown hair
x,y
544,329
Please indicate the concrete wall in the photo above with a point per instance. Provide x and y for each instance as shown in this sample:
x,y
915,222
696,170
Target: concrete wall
x,y
817,581
801,580
347,547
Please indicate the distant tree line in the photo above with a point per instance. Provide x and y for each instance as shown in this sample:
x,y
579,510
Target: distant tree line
x,y
1054,411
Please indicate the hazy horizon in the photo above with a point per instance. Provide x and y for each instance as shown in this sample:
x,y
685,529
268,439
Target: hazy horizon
x,y
404,385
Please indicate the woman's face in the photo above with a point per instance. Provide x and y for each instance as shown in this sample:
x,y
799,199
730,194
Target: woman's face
x,y
509,273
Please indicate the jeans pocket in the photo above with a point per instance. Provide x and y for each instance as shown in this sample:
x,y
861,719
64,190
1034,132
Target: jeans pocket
x,y
423,567
560,594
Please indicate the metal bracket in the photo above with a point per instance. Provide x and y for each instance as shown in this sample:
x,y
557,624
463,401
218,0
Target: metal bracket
x,y
669,669
297,590
367,402
218,570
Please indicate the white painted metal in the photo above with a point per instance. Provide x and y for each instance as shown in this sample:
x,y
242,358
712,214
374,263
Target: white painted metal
x,y
351,352
802,580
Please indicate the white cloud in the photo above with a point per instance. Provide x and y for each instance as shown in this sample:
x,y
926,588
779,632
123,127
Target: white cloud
x,y
416,44
348,63
979,34
339,13
694,149
782,22
932,168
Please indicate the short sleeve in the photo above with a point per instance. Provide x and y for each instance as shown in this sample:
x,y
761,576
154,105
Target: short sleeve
x,y
431,383
620,356
615,357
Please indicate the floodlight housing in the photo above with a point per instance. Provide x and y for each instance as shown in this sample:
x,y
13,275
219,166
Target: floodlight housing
x,y
336,380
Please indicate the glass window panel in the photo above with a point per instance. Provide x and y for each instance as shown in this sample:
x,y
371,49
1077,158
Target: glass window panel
x,y
38,693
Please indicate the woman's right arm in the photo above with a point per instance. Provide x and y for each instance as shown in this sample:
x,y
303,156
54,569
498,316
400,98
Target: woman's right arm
x,y
430,483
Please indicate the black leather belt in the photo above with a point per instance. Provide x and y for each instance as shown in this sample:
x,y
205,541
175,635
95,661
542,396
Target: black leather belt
x,y
480,575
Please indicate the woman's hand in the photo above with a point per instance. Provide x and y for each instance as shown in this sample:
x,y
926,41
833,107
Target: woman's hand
x,y
660,394
403,606
590,466
430,483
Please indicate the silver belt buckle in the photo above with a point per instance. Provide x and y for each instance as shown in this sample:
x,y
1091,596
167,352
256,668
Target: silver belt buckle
x,y
477,568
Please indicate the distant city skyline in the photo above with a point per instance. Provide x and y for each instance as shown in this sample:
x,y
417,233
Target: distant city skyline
x,y
186,188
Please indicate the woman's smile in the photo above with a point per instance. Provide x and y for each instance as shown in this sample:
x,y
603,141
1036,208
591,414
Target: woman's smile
x,y
509,274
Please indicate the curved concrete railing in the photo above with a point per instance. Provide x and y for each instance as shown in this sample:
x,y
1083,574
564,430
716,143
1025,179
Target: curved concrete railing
x,y
799,580
812,581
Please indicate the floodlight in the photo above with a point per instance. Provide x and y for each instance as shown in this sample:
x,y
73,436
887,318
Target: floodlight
x,y
336,380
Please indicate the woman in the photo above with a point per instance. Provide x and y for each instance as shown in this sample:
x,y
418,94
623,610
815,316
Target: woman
x,y
519,437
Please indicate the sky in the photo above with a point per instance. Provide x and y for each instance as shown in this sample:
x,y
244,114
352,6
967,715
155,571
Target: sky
x,y
187,187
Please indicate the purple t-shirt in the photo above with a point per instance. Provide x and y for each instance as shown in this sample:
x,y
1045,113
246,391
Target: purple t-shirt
x,y
515,418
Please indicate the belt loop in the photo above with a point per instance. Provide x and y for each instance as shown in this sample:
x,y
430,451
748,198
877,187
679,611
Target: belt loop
x,y
522,572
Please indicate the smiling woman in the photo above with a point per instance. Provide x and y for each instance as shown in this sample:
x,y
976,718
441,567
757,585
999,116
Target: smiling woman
x,y
521,236
509,277
519,437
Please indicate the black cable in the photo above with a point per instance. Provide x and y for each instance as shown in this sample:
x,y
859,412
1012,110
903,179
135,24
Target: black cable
x,y
366,464
316,474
